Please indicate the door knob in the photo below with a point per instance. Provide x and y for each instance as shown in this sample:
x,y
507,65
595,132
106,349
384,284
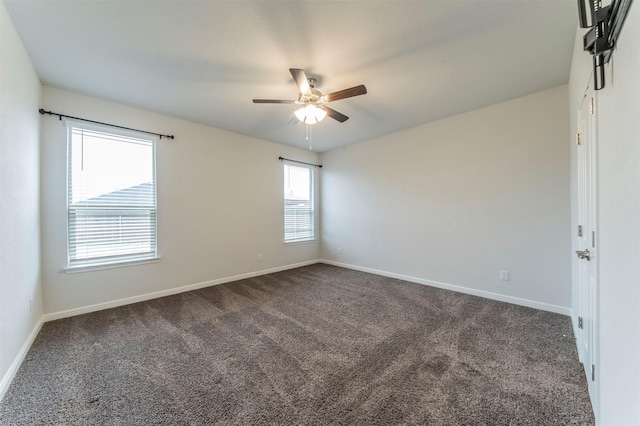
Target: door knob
x,y
583,254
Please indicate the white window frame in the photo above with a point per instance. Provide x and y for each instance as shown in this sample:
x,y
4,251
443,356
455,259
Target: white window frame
x,y
291,238
123,259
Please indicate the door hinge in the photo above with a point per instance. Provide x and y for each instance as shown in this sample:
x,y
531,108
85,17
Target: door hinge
x,y
593,238
580,323
591,106
593,373
579,230
578,138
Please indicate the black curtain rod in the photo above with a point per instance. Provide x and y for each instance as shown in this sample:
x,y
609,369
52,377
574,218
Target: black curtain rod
x,y
299,162
43,112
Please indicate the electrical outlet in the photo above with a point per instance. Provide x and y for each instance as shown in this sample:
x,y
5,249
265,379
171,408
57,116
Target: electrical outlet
x,y
504,275
259,258
339,250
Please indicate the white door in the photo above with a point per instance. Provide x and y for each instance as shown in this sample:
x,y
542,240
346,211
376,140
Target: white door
x,y
587,255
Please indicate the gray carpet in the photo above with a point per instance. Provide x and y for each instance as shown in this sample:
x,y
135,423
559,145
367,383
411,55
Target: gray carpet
x,y
315,345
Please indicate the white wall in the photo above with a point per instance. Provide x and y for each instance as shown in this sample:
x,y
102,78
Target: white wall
x,y
458,200
219,205
618,109
19,201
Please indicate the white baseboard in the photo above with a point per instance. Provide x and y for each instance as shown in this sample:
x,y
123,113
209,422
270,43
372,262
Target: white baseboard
x,y
141,298
17,362
169,292
460,289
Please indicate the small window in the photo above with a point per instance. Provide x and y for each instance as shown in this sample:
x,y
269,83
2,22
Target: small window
x,y
298,204
111,198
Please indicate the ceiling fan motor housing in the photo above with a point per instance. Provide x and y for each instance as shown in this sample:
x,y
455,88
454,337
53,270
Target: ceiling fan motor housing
x,y
316,97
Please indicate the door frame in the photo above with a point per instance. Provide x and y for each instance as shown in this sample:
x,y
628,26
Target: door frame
x,y
588,306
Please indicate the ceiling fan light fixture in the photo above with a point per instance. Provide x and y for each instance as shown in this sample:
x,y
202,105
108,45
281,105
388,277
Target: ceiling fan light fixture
x,y
320,114
310,114
301,114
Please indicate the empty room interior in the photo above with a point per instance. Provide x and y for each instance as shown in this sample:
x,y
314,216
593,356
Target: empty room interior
x,y
305,212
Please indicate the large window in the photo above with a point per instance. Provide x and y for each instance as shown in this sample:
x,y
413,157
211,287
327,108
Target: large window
x,y
298,204
111,198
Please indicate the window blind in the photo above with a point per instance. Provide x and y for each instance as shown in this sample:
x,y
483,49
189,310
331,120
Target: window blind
x,y
111,198
299,218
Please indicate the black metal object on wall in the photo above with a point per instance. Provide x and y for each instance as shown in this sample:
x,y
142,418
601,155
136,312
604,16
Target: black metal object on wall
x,y
605,24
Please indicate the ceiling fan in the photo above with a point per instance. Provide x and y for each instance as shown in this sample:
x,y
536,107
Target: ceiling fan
x,y
312,102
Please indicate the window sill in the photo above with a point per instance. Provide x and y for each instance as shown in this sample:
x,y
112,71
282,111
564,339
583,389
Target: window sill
x,y
293,243
91,268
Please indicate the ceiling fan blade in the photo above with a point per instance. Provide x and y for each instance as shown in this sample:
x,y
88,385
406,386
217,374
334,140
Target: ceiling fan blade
x,y
301,80
271,101
335,114
293,121
346,93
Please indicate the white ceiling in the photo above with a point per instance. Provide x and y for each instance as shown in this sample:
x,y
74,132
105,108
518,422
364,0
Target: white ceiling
x,y
205,61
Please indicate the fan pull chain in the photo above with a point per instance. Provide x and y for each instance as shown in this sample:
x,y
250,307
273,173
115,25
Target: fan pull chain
x,y
309,136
